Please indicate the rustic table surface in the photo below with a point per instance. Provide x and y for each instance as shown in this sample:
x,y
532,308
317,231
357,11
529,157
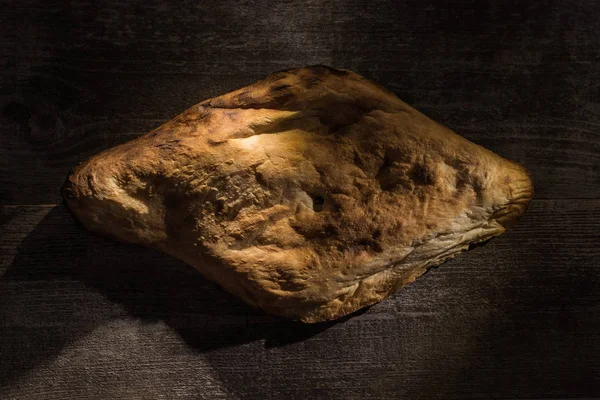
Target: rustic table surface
x,y
86,318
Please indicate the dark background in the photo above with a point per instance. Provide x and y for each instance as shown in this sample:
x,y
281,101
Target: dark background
x,y
84,317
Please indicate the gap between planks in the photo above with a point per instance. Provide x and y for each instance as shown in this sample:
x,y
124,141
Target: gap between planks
x,y
533,201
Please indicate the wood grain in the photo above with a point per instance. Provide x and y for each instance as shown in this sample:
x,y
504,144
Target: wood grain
x,y
512,318
518,78
86,318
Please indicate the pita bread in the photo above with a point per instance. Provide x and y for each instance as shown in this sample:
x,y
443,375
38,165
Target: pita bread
x,y
311,194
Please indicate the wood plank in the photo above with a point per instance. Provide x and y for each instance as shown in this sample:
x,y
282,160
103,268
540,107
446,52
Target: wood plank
x,y
85,317
82,77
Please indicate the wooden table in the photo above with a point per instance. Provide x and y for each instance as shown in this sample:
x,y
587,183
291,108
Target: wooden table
x,y
83,317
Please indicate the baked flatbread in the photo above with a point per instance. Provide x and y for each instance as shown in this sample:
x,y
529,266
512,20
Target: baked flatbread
x,y
311,194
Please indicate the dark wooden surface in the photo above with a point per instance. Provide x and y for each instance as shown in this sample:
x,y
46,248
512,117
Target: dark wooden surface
x,y
83,317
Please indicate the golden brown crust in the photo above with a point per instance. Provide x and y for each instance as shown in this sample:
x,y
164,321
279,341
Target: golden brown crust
x,y
312,193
